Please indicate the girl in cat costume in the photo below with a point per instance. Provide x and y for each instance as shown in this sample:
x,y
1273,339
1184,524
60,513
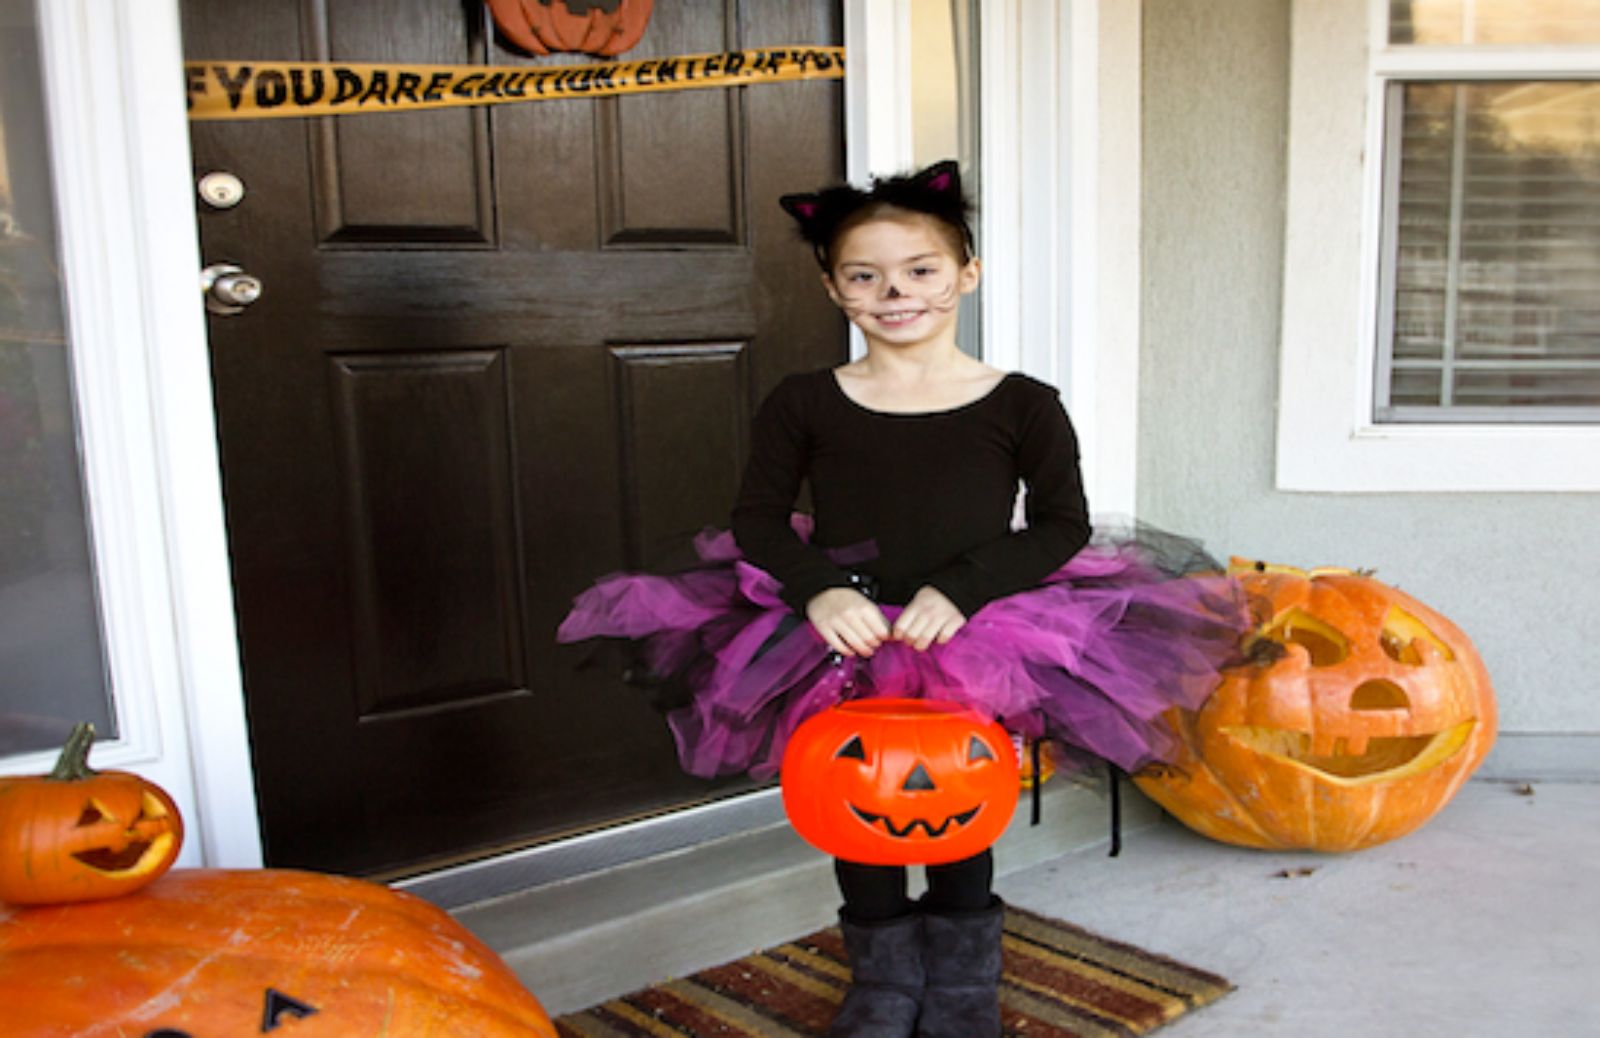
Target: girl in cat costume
x,y
911,578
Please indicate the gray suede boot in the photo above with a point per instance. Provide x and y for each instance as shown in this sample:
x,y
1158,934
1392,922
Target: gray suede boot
x,y
885,979
961,952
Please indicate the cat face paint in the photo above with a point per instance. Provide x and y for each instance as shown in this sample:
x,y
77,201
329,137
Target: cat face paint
x,y
897,278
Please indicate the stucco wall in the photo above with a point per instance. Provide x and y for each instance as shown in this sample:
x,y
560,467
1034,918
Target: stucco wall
x,y
1516,571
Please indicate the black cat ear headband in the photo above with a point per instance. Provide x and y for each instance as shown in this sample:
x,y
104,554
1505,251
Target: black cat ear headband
x,y
935,191
941,178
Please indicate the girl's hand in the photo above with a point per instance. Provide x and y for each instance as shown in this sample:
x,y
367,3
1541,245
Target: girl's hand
x,y
929,617
848,621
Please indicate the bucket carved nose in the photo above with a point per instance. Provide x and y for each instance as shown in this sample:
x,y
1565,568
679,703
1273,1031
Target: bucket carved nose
x,y
918,781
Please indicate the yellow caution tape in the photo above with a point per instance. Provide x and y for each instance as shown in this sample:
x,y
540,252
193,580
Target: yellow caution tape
x,y
286,89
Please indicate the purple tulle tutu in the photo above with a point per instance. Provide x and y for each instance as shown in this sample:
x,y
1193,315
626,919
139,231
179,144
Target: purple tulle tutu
x,y
1090,658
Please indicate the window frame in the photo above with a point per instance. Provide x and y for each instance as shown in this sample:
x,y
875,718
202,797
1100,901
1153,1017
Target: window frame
x,y
1329,438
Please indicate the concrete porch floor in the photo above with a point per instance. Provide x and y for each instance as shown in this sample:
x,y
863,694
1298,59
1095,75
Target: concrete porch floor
x,y
1485,922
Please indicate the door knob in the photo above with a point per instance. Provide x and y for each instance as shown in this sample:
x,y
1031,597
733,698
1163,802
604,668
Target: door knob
x,y
228,289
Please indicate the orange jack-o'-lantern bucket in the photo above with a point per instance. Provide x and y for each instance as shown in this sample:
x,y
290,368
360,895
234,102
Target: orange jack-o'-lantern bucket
x,y
900,781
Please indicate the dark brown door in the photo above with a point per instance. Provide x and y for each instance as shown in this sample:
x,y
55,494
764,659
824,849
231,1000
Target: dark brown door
x,y
500,352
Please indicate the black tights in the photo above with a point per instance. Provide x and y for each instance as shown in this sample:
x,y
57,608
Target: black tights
x,y
873,893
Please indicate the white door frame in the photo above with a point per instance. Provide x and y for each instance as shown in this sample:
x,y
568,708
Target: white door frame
x,y
130,267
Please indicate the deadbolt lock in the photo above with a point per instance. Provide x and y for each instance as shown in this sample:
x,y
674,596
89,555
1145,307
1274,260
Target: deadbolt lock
x,y
221,190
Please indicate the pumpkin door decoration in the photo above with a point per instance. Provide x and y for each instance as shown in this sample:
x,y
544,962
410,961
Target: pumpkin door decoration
x,y
899,781
205,952
604,28
1358,714
79,835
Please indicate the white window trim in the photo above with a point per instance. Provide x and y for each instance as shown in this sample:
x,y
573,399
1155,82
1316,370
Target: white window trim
x,y
1061,221
130,264
1327,437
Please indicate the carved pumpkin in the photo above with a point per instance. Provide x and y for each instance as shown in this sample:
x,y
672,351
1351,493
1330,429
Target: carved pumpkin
x,y
208,952
899,781
604,28
78,834
1358,715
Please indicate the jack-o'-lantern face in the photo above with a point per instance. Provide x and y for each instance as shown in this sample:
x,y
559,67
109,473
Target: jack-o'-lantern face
x,y
900,781
1358,715
122,829
81,835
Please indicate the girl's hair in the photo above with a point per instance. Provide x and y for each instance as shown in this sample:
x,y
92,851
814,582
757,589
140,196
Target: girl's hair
x,y
824,217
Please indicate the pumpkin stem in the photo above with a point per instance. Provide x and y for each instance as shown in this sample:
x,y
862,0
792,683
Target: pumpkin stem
x,y
73,764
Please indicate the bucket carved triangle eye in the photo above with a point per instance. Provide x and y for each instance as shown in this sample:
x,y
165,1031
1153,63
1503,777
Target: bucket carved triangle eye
x,y
851,750
919,780
977,750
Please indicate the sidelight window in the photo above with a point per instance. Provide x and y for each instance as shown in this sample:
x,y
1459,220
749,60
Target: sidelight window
x,y
52,662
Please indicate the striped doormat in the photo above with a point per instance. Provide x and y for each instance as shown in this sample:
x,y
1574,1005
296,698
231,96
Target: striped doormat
x,y
1060,982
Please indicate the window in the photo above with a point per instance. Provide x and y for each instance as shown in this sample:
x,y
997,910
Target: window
x,y
1491,22
1491,213
52,661
1440,323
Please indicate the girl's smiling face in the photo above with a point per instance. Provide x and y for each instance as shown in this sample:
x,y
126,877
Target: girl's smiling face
x,y
899,279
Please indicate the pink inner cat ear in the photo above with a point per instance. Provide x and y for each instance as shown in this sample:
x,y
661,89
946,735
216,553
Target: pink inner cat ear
x,y
939,182
806,209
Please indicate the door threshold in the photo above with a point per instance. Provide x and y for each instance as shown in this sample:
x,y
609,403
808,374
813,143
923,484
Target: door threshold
x,y
530,867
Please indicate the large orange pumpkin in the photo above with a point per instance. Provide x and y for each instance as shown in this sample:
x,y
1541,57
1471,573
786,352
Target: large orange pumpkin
x,y
77,834
601,27
899,781
203,953
1359,714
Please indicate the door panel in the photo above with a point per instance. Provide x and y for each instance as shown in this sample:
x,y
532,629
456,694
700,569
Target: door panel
x,y
501,352
676,451
426,460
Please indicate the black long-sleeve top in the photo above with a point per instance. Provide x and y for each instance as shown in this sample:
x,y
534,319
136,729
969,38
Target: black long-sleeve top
x,y
914,499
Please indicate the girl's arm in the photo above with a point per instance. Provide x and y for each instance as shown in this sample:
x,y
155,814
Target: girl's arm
x,y
767,494
1057,513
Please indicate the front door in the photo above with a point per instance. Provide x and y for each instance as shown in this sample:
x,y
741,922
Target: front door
x,y
499,353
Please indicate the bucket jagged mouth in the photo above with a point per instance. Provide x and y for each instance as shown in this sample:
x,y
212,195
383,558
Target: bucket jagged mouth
x,y
903,832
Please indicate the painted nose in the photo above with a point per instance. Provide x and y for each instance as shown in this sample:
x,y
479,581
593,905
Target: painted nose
x,y
918,781
893,291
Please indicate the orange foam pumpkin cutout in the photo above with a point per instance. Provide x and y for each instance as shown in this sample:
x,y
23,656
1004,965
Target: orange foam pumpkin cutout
x,y
79,835
1359,715
604,28
204,952
899,781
